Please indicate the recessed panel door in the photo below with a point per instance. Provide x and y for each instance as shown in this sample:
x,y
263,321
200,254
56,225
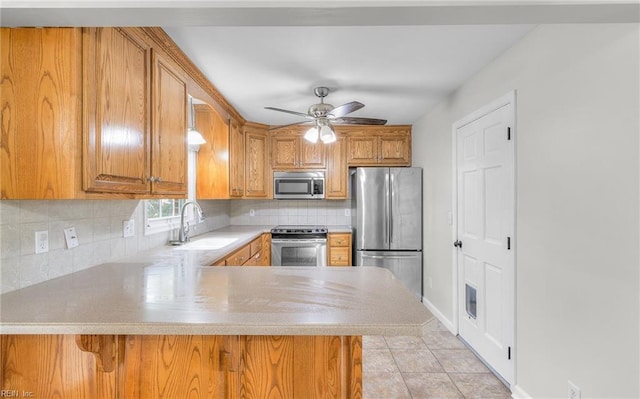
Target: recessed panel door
x,y
485,186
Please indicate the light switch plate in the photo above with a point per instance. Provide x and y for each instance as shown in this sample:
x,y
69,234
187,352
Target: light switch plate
x,y
128,228
71,237
42,241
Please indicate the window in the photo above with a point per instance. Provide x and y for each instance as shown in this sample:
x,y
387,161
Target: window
x,y
164,214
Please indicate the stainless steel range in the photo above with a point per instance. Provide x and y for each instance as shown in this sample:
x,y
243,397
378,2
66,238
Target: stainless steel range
x,y
299,246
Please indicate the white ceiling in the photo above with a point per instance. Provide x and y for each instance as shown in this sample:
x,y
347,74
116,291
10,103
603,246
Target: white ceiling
x,y
398,57
398,72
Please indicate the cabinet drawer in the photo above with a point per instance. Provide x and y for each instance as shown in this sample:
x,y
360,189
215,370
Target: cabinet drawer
x,y
339,240
339,255
256,245
239,257
256,260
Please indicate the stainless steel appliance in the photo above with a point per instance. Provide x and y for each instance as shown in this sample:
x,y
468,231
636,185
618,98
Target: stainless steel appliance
x,y
387,222
299,246
298,185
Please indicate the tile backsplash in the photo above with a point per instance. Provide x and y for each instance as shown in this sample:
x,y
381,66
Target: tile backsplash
x,y
98,226
275,212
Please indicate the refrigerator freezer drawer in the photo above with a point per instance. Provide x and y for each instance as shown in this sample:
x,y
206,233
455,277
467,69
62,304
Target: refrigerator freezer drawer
x,y
406,266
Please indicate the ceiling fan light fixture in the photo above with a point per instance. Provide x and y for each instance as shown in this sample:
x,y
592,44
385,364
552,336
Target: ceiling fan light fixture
x,y
327,135
312,134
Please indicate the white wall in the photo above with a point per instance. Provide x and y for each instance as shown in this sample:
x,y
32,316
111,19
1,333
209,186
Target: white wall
x,y
99,228
578,219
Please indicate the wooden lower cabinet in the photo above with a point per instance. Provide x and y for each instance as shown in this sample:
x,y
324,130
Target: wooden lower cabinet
x,y
256,253
181,366
339,249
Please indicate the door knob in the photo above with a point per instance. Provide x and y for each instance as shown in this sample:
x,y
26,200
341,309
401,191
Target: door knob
x,y
458,244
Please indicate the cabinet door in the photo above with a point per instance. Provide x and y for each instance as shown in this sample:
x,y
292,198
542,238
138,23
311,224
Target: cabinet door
x,y
266,249
236,160
169,129
395,149
312,155
212,178
337,170
116,111
284,153
40,97
362,149
257,169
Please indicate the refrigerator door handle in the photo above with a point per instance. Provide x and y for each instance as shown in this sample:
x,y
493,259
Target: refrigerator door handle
x,y
391,190
387,208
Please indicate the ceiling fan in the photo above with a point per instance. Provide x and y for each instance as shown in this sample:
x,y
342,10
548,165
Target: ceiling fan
x,y
323,116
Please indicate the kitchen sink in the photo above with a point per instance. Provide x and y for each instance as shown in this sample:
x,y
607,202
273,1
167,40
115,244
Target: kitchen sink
x,y
205,244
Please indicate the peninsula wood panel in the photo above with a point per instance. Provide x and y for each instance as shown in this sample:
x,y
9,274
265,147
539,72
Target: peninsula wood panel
x,y
116,94
257,171
177,366
40,96
172,366
236,160
212,180
169,128
52,366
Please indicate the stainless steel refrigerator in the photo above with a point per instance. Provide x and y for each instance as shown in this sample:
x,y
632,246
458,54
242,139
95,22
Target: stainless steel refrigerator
x,y
387,222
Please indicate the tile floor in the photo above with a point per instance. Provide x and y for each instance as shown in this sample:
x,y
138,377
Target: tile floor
x,y
436,365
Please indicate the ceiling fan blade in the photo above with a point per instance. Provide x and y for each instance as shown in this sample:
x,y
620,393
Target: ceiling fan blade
x,y
344,109
290,124
290,112
349,120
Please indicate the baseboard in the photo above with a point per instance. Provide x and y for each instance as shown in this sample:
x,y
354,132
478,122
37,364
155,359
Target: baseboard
x,y
519,393
438,315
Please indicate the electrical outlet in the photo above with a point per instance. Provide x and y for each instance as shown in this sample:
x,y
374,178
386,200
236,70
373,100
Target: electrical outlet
x,y
42,241
128,228
252,212
71,237
347,211
574,391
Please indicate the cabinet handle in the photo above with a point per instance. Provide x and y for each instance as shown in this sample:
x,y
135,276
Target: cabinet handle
x,y
152,179
159,179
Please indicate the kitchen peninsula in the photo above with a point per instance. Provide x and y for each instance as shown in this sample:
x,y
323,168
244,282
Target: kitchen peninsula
x,y
166,325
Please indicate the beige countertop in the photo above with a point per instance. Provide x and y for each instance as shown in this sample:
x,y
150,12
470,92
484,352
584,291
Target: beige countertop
x,y
169,291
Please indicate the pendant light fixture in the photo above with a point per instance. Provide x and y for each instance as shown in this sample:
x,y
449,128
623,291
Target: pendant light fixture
x,y
194,138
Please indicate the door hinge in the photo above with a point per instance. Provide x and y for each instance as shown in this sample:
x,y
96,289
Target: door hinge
x,y
508,133
509,353
509,243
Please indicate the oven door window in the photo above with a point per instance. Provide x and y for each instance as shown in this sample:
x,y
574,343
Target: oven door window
x,y
293,186
300,256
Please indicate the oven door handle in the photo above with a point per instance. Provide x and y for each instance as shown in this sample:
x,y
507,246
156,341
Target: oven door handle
x,y
298,241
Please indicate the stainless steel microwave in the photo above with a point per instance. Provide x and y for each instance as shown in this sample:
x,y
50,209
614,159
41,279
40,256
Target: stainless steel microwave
x,y
298,185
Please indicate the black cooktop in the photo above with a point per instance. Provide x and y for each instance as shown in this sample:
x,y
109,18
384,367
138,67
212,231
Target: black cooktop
x,y
284,229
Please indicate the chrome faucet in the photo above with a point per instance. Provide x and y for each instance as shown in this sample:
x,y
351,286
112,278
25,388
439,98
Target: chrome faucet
x,y
183,235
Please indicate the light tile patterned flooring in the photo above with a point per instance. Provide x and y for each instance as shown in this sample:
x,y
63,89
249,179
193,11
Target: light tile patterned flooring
x,y
436,365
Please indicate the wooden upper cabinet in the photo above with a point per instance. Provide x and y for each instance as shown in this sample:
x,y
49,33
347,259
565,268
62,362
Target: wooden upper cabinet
x,y
289,150
116,92
212,181
169,128
395,148
40,87
337,176
257,171
236,160
374,145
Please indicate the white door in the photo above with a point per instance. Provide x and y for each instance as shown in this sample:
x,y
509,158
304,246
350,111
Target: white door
x,y
485,235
